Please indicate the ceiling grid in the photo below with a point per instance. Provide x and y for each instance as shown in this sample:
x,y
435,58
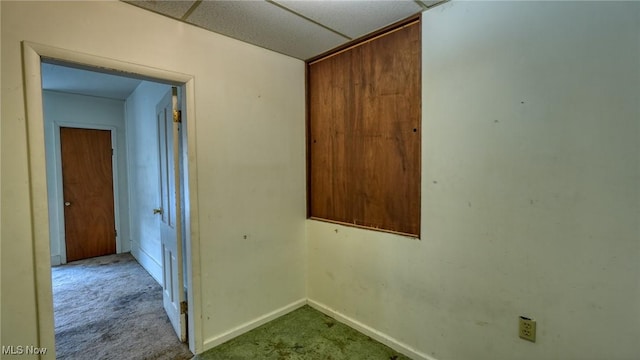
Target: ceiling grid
x,y
298,28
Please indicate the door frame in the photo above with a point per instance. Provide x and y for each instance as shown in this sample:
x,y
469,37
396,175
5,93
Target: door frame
x,y
32,54
62,240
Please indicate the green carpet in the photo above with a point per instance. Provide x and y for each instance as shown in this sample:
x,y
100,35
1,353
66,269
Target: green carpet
x,y
302,334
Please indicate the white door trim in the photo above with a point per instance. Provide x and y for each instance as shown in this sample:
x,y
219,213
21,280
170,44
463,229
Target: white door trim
x,y
32,54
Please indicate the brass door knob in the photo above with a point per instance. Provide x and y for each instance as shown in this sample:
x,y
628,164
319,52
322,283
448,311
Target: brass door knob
x,y
157,211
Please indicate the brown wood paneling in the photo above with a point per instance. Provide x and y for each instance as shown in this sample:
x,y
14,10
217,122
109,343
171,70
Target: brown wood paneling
x,y
88,190
364,133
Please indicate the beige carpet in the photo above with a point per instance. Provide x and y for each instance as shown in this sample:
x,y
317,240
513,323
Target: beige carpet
x,y
110,308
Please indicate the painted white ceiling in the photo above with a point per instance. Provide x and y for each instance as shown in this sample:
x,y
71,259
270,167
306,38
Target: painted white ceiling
x,y
84,82
298,28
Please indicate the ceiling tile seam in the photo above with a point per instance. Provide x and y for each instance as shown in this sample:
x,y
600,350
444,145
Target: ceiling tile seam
x,y
433,5
154,11
193,7
360,42
421,4
274,3
211,31
201,27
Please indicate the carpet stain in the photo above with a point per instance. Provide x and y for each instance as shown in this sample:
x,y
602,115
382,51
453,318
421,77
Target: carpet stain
x,y
302,334
329,323
110,308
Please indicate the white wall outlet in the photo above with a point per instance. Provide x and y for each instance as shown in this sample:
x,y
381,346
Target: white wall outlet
x,y
527,329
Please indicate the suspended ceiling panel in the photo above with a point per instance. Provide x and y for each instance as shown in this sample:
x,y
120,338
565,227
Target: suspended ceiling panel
x,y
298,28
261,23
354,18
174,9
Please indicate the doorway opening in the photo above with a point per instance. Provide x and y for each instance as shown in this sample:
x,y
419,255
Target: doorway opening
x,y
50,231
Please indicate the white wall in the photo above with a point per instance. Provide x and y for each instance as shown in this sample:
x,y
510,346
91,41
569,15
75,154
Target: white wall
x,y
144,173
249,157
72,110
531,202
530,172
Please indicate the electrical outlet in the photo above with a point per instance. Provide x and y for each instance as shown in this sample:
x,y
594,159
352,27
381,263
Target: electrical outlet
x,y
527,329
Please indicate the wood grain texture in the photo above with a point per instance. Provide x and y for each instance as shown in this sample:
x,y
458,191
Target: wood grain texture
x,y
364,134
88,186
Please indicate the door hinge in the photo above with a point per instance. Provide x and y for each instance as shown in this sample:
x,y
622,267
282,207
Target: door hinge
x,y
116,231
111,152
183,307
177,116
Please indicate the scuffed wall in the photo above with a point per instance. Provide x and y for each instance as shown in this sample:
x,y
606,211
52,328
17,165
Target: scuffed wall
x,y
531,202
249,116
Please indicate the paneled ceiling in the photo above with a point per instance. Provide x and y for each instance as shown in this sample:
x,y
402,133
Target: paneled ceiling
x,y
298,28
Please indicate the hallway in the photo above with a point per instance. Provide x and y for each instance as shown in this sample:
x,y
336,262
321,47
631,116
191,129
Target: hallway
x,y
109,307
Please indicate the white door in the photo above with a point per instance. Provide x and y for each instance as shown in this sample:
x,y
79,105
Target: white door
x,y
170,223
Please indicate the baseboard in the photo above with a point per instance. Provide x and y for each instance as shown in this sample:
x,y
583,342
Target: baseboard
x,y
56,260
250,325
153,267
371,332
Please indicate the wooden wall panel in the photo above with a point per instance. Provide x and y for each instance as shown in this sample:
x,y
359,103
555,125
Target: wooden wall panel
x,y
364,133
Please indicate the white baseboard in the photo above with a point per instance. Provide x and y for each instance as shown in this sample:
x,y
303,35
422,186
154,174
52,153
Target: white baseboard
x,y
252,324
371,332
153,267
56,260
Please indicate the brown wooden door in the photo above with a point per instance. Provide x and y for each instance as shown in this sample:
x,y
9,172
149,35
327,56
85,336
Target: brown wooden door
x,y
87,176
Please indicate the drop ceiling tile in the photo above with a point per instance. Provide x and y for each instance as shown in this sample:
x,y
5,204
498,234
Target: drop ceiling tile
x,y
266,25
354,18
174,8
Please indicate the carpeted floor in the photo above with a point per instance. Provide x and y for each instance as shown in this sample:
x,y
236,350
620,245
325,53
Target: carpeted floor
x,y
302,334
110,308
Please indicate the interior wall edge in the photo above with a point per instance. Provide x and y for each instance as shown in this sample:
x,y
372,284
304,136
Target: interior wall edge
x,y
55,260
38,202
148,263
371,332
214,341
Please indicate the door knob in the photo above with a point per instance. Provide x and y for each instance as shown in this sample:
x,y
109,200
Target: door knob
x,y
66,203
157,211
